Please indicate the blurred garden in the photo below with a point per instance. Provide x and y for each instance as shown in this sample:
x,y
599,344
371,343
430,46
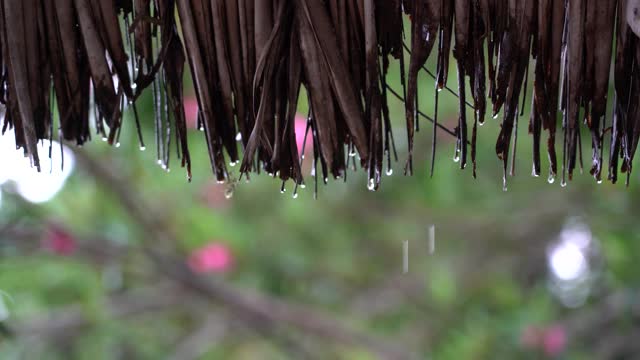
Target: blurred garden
x,y
117,257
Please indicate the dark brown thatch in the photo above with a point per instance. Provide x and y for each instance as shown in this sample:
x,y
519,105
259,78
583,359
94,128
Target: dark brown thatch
x,y
249,60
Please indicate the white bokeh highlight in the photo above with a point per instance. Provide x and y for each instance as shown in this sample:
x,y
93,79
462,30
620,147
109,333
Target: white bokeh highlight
x,y
569,262
17,172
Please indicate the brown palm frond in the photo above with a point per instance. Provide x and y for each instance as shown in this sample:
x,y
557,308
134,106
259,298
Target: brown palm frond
x,y
249,60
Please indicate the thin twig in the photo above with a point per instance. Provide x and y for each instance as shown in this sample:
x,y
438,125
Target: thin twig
x,y
429,118
406,48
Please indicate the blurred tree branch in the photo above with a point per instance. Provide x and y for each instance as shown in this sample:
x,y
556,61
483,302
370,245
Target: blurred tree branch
x,y
252,308
72,319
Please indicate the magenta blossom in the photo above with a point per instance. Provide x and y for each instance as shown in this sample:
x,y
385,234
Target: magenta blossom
x,y
59,241
551,340
212,258
301,128
554,340
191,112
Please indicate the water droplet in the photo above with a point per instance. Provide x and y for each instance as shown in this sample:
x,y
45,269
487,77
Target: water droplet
x,y
533,172
371,185
238,137
228,193
143,148
389,171
425,32
552,178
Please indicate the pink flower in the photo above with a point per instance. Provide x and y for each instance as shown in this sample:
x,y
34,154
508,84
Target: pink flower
x,y
212,258
301,128
554,340
191,112
58,241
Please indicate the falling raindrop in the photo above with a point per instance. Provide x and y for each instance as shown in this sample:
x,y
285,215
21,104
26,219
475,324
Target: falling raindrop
x,y
371,185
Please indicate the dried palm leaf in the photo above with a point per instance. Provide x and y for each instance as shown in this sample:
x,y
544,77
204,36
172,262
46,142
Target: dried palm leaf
x,y
249,60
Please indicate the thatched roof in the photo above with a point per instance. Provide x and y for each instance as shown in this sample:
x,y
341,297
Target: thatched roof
x,y
250,58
